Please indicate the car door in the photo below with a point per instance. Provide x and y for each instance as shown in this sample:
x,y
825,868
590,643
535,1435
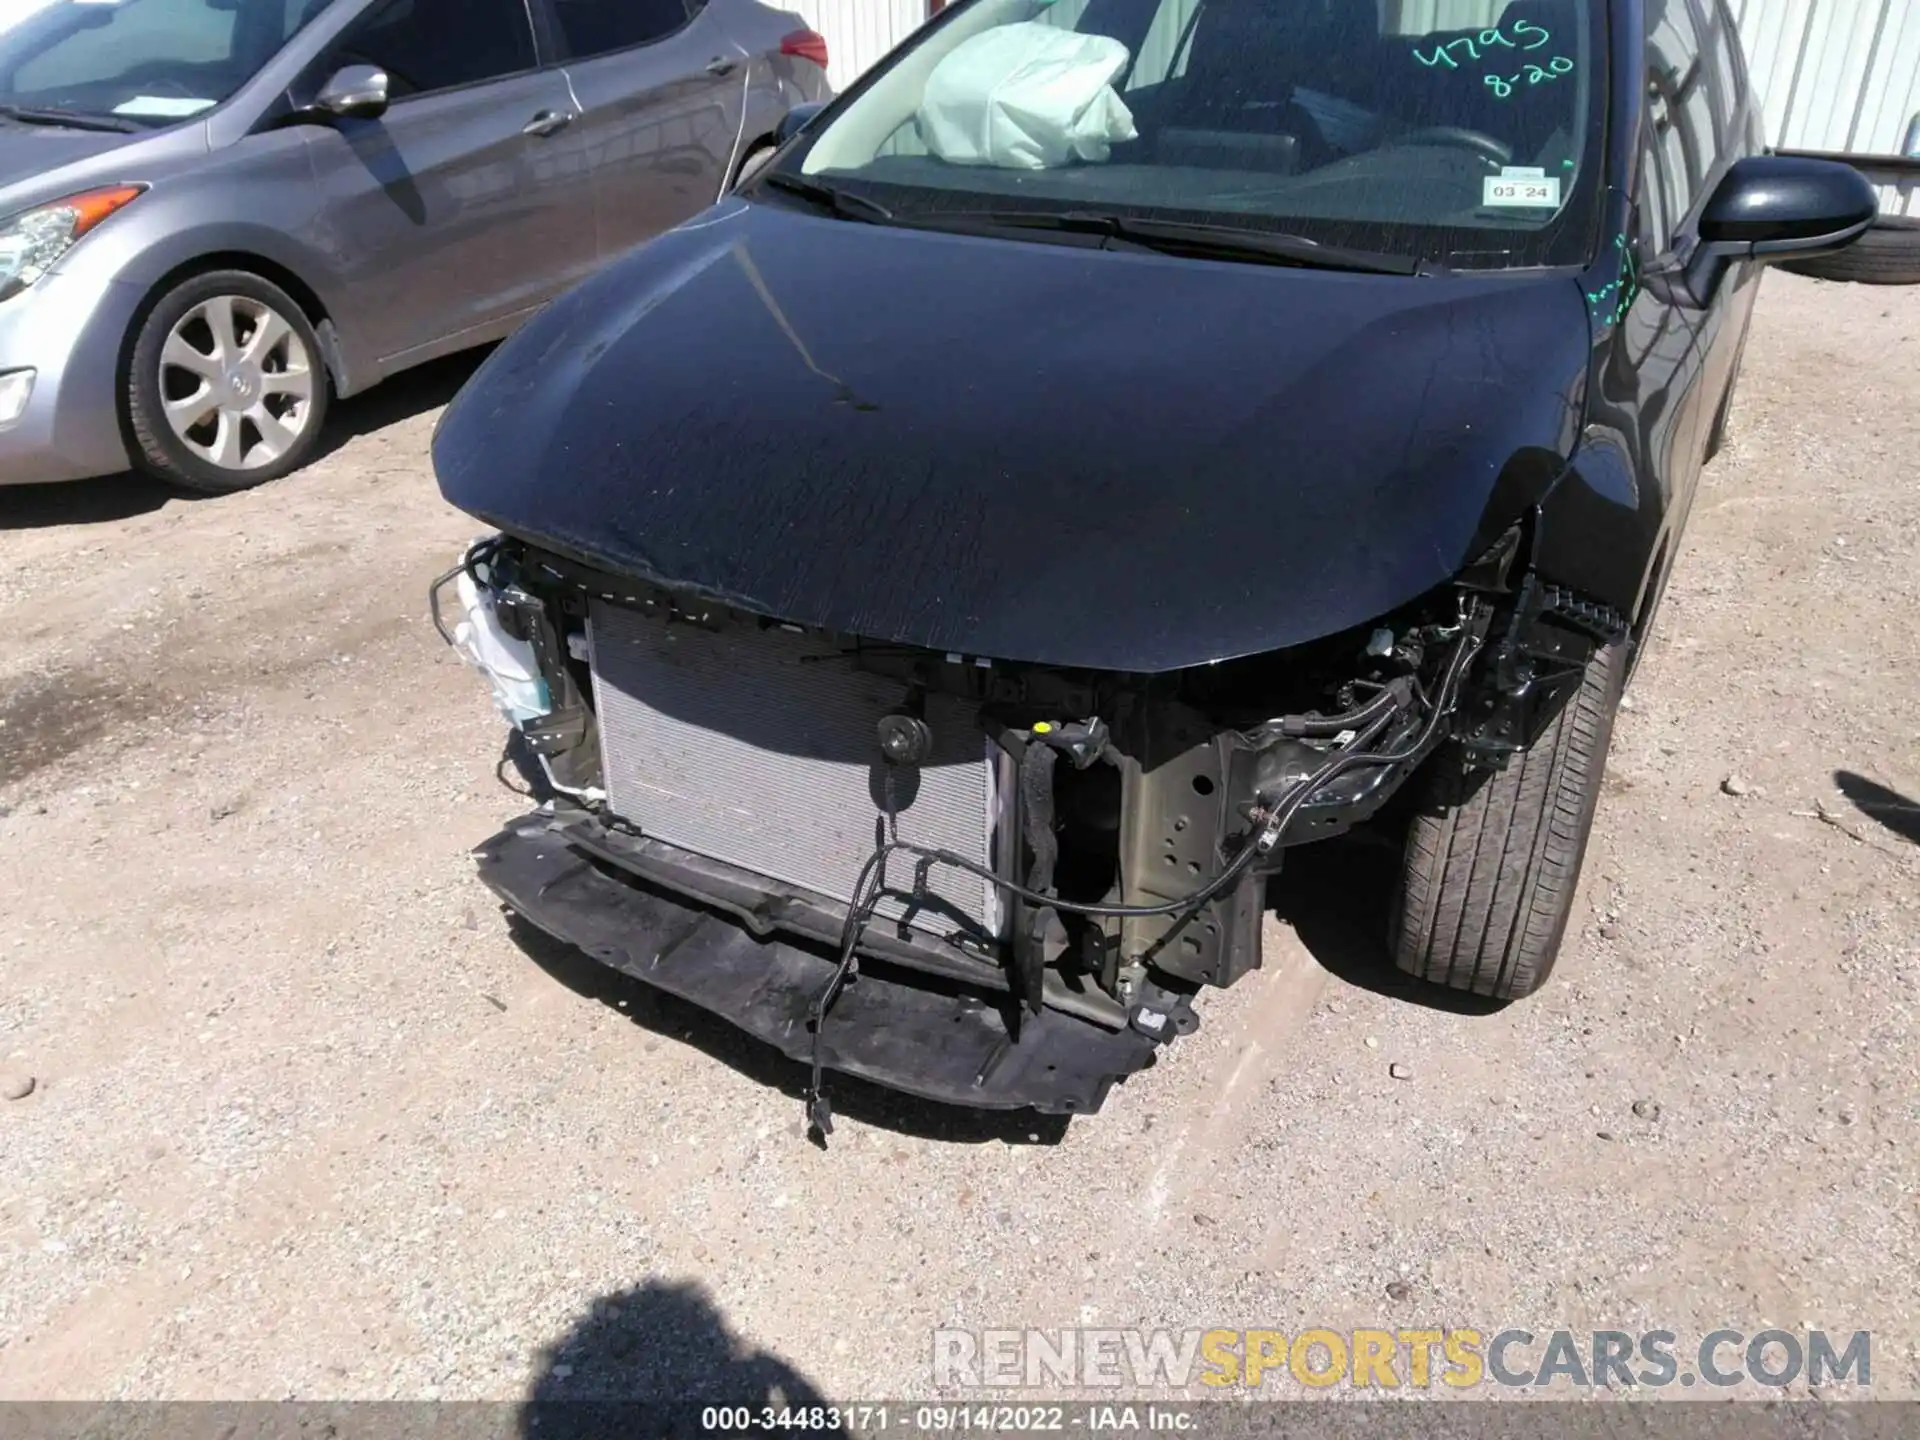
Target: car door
x,y
448,215
662,86
1736,130
1690,154
1644,407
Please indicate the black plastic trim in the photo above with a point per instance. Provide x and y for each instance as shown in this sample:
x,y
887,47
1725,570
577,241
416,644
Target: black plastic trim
x,y
942,1046
768,907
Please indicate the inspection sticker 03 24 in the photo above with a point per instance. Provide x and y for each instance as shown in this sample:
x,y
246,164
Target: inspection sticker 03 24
x,y
1508,190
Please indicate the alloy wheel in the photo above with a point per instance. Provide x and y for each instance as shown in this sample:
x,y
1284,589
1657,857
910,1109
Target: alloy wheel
x,y
237,383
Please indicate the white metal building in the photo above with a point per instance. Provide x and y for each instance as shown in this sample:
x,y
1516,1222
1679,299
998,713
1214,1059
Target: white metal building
x,y
12,12
1838,75
858,32
1832,74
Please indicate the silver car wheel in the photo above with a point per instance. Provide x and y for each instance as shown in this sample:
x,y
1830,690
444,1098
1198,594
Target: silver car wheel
x,y
237,383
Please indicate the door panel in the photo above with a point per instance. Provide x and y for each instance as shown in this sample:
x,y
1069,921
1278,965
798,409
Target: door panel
x,y
659,125
1730,307
1639,456
1658,359
436,216
1666,338
447,214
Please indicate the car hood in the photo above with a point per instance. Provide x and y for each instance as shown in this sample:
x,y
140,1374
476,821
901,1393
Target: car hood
x,y
1020,450
30,152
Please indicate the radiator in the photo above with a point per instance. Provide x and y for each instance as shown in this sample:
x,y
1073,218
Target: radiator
x,y
755,745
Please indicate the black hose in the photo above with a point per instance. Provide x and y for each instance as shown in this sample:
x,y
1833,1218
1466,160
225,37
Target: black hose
x,y
1351,758
483,551
1395,696
433,600
1283,810
873,882
870,888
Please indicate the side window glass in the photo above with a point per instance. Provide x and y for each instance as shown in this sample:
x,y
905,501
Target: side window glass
x,y
1679,104
599,27
1167,46
1704,99
1722,42
1650,198
428,45
1063,14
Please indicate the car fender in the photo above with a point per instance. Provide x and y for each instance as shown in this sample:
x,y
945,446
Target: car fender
x,y
1596,531
188,224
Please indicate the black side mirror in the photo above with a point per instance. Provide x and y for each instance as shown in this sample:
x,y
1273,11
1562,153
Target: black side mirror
x,y
361,91
796,120
1778,207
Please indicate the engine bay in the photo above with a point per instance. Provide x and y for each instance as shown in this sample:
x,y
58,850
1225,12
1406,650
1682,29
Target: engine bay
x,y
1037,839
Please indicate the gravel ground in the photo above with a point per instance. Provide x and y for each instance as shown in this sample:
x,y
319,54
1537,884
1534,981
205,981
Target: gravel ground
x,y
310,1118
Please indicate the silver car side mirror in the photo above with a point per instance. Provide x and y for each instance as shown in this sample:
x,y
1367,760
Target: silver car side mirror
x,y
362,91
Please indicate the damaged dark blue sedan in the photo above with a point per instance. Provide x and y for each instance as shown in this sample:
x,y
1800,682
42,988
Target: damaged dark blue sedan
x,y
1117,442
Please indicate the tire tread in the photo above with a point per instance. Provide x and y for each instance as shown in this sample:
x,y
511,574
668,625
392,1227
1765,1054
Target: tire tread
x,y
1491,863
1888,254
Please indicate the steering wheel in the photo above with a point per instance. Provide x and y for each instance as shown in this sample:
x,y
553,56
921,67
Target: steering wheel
x,y
1495,152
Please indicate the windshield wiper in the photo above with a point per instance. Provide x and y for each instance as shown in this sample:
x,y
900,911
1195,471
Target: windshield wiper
x,y
844,203
1188,237
71,119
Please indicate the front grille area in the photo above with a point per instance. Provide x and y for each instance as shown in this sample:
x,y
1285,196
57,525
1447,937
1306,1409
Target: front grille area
x,y
755,745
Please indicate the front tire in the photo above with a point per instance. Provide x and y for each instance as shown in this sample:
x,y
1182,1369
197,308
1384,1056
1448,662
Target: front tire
x,y
226,388
1888,254
1492,860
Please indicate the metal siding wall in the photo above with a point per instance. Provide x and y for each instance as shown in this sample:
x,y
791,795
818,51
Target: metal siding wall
x,y
1156,50
1837,75
1420,17
858,32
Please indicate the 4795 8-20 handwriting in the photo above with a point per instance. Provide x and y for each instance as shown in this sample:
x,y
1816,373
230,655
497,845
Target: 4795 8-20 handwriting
x,y
1525,36
1532,74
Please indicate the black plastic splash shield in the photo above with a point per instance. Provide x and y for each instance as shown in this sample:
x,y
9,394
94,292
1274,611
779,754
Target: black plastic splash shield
x,y
949,1048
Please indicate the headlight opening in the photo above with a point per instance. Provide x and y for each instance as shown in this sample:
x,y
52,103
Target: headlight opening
x,y
34,240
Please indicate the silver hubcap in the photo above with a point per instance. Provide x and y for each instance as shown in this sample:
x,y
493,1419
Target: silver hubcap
x,y
237,383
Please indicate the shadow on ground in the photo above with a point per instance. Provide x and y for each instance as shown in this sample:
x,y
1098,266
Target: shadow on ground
x,y
121,497
402,398
648,1361
1887,808
1336,895
81,502
668,1016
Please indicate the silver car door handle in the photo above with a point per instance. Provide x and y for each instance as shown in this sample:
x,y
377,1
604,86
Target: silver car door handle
x,y
547,122
722,65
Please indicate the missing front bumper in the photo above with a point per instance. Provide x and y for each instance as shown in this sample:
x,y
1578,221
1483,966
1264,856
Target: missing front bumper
x,y
906,1033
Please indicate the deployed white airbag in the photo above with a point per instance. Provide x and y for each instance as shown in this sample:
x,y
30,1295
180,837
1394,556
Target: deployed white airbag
x,y
1026,97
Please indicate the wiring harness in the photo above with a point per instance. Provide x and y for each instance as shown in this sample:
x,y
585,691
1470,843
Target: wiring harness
x,y
1356,733
1361,729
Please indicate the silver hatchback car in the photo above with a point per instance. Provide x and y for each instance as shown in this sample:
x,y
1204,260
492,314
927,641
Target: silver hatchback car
x,y
217,215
